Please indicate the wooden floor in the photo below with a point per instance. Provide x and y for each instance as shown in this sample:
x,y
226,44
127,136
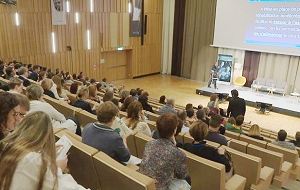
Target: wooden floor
x,y
184,92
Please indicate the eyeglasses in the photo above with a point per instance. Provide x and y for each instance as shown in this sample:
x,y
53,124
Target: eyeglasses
x,y
17,113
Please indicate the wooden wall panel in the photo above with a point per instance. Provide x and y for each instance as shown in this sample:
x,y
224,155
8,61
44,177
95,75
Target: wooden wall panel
x,y
30,42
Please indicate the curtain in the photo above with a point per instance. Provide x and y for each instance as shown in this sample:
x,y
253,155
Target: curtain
x,y
198,56
282,68
167,35
178,36
251,66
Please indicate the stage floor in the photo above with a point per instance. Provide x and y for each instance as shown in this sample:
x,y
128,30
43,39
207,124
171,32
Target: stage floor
x,y
285,105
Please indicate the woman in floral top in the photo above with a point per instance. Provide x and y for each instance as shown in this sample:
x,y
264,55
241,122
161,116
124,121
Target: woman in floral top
x,y
162,160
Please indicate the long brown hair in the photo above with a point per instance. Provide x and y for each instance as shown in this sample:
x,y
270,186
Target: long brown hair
x,y
57,80
93,91
34,134
133,114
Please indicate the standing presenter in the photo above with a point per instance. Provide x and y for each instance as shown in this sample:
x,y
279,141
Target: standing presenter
x,y
213,75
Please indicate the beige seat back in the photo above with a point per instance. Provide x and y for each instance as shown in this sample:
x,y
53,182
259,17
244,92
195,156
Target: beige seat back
x,y
80,163
246,165
151,124
53,102
205,174
86,117
187,138
288,154
113,175
232,135
131,144
269,158
238,145
253,141
140,143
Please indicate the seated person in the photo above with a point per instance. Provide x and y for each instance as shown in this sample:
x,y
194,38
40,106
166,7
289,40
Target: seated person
x,y
34,164
162,99
198,131
133,93
108,96
213,104
15,85
254,132
127,102
162,160
47,85
201,115
144,101
234,125
35,96
74,88
124,95
182,115
93,94
213,132
10,72
169,107
82,95
281,141
24,74
34,75
297,141
135,119
101,136
189,106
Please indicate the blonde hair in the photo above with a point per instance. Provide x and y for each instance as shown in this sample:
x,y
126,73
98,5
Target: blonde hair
x,y
25,139
254,130
57,80
47,84
82,91
198,130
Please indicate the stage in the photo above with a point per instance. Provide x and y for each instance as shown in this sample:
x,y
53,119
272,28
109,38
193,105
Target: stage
x,y
285,105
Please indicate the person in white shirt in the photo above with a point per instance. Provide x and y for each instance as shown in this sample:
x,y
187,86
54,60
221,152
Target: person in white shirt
x,y
28,158
57,89
35,96
15,85
135,119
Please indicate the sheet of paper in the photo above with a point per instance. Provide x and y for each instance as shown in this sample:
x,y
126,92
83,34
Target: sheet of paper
x,y
119,124
136,14
66,145
133,160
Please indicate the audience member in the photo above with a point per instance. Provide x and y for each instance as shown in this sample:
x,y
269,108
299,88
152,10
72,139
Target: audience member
x,y
133,93
101,136
24,104
108,96
10,113
162,99
116,102
169,107
124,95
144,101
2,70
281,140
198,131
82,95
47,84
104,82
35,96
99,87
254,132
23,75
15,85
237,106
213,104
57,89
42,76
93,93
234,125
34,75
9,72
162,160
140,92
29,67
127,102
50,75
183,117
201,115
74,88
28,159
297,141
213,132
189,106
135,119
191,114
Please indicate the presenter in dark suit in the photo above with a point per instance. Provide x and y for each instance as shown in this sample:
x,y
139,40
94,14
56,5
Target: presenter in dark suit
x,y
237,106
213,75
35,73
24,73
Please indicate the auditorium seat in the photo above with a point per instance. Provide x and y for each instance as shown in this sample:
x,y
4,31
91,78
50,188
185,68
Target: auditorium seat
x,y
207,175
238,145
253,141
151,124
282,169
152,116
72,97
80,163
131,144
187,138
86,117
232,135
113,175
56,130
249,167
140,142
289,156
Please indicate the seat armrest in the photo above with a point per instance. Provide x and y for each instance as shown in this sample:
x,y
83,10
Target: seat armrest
x,y
236,182
286,166
266,173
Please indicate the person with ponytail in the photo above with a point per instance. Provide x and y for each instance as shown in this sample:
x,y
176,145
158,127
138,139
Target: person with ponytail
x,y
28,158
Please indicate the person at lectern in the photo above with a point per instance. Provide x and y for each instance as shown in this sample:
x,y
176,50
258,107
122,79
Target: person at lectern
x,y
213,75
